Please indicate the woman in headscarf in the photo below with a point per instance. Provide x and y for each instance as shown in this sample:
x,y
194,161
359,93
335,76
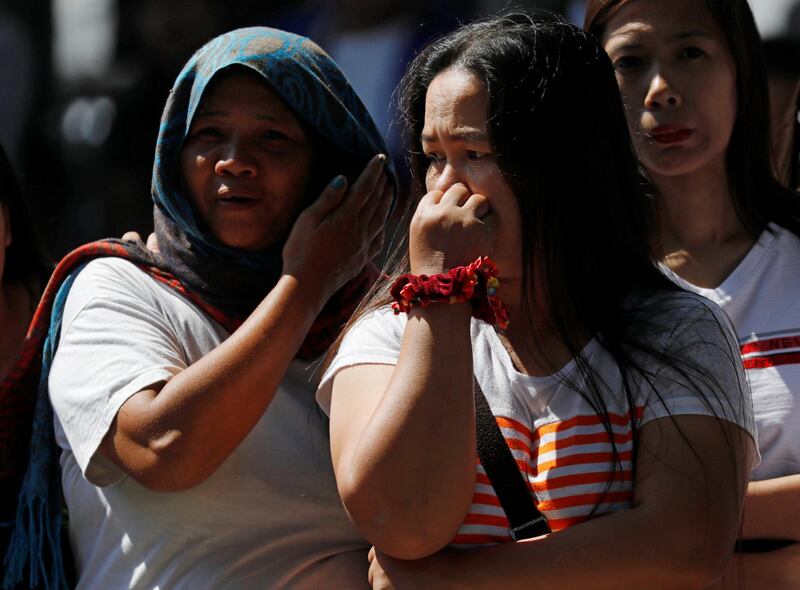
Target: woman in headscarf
x,y
187,371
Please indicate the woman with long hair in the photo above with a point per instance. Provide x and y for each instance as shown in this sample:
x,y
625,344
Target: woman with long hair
x,y
694,84
619,396
183,424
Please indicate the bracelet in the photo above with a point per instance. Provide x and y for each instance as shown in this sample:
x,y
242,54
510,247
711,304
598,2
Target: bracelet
x,y
475,283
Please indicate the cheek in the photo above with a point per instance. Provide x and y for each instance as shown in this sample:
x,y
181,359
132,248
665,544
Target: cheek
x,y
292,180
633,116
629,93
488,180
729,105
431,176
717,99
503,201
193,173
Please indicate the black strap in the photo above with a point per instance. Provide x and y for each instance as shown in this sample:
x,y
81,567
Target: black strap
x,y
515,497
760,545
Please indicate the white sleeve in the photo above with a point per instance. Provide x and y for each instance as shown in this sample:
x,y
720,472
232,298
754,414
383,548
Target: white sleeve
x,y
374,339
115,341
709,378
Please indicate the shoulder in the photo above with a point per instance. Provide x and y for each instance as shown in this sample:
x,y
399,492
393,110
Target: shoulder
x,y
688,343
111,277
374,338
784,241
118,283
672,315
104,279
110,293
691,364
379,325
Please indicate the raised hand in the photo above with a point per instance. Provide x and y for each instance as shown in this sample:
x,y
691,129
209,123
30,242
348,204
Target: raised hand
x,y
134,236
450,229
335,237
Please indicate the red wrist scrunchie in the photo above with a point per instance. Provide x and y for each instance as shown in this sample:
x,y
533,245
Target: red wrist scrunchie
x,y
475,283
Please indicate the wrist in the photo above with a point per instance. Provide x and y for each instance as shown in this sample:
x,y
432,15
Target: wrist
x,y
475,284
430,263
460,311
307,293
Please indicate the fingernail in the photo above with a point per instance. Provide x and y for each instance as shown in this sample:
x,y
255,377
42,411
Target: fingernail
x,y
338,182
382,158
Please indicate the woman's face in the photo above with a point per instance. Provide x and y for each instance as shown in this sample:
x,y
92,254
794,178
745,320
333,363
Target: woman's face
x,y
678,82
456,141
246,162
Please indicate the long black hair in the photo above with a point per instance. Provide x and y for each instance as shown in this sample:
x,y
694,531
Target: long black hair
x,y
758,197
556,123
26,259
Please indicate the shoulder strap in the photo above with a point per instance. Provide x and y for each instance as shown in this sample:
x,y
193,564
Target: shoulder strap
x,y
515,497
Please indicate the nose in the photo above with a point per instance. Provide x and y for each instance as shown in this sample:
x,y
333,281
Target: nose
x,y
235,159
661,93
450,175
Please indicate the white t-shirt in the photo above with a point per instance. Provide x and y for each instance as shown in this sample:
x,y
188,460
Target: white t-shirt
x,y
559,442
269,517
762,298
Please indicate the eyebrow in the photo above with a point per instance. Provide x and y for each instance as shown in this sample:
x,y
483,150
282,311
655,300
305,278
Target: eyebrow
x,y
689,34
465,136
682,36
622,46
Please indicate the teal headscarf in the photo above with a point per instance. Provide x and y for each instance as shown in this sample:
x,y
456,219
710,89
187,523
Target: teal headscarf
x,y
314,88
300,72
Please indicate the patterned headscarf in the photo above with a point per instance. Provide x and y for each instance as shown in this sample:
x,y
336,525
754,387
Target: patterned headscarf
x,y
225,282
318,93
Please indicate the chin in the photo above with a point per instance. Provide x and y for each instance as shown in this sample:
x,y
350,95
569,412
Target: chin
x,y
683,160
672,168
241,242
674,163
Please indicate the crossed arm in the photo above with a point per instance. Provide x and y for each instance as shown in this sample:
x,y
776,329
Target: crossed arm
x,y
403,448
770,512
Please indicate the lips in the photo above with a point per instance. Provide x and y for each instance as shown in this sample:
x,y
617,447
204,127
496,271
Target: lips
x,y
235,198
669,134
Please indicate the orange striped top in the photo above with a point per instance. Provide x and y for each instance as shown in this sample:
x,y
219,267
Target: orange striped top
x,y
568,467
558,440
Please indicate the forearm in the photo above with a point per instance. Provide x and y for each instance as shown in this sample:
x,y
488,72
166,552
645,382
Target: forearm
x,y
177,437
770,510
408,480
774,570
622,550
678,533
